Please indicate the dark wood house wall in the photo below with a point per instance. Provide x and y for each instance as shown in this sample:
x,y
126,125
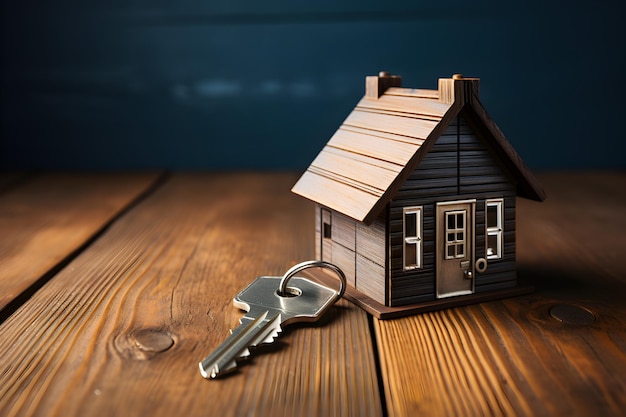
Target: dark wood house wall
x,y
459,166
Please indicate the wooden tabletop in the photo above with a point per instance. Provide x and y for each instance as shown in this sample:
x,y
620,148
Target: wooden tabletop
x,y
114,286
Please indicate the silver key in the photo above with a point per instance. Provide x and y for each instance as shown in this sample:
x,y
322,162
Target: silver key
x,y
270,304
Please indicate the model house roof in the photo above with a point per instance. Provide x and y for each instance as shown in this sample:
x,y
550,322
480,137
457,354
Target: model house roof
x,y
385,137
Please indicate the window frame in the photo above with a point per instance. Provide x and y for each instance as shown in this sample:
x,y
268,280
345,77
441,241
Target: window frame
x,y
455,231
497,230
416,240
327,231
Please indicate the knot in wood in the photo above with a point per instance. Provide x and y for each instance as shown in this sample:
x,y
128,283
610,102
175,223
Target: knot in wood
x,y
572,314
151,340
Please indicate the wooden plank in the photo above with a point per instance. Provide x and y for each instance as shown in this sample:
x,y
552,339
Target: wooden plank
x,y
412,92
406,104
559,351
363,159
339,163
405,126
370,241
340,180
345,259
380,134
46,218
344,231
370,278
384,148
346,199
121,330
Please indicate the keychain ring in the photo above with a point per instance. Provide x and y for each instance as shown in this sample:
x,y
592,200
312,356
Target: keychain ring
x,y
282,287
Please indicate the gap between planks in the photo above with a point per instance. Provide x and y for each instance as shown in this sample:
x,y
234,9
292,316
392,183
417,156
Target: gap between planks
x,y
49,262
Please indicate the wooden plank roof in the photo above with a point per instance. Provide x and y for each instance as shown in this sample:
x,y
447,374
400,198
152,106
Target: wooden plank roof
x,y
379,143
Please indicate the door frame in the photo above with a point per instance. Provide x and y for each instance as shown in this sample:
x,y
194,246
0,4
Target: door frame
x,y
440,245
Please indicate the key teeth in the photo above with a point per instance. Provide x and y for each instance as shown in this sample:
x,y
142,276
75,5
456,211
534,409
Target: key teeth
x,y
268,333
214,371
210,373
271,337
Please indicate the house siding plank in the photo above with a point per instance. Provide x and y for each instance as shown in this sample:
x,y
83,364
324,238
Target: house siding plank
x,y
370,278
344,231
370,241
344,258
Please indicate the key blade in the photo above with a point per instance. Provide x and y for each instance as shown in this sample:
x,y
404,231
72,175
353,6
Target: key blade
x,y
251,332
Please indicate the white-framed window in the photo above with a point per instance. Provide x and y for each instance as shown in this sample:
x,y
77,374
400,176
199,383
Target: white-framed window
x,y
412,234
494,224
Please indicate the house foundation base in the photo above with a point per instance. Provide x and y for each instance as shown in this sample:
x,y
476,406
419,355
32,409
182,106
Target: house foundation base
x,y
383,312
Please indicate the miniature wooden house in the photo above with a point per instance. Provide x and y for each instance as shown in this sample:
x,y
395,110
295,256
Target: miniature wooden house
x,y
415,198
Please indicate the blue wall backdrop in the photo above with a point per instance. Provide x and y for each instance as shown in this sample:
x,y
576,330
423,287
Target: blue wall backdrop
x,y
194,84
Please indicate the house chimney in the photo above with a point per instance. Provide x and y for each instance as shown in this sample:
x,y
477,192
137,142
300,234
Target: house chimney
x,y
458,89
375,86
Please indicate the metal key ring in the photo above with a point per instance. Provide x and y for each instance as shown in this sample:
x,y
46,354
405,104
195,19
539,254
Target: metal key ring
x,y
282,287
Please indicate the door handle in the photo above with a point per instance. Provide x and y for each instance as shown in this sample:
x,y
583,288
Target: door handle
x,y
467,273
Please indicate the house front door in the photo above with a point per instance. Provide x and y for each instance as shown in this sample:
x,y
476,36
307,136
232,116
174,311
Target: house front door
x,y
455,248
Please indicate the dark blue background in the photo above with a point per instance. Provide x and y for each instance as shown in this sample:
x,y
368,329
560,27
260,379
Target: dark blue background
x,y
263,84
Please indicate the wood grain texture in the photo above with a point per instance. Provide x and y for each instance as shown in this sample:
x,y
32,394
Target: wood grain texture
x,y
341,164
391,149
520,356
404,126
43,219
121,329
406,104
